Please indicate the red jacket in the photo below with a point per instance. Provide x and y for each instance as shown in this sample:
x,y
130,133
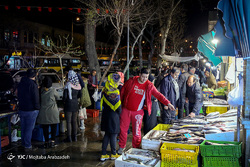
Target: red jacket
x,y
150,90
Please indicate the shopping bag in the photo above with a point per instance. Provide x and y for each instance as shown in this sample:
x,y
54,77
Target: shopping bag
x,y
96,96
82,113
235,97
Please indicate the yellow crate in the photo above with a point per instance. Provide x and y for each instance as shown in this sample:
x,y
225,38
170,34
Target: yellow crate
x,y
169,164
179,157
164,127
211,109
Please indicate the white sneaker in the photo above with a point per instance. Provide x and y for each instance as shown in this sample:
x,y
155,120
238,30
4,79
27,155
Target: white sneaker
x,y
82,127
120,150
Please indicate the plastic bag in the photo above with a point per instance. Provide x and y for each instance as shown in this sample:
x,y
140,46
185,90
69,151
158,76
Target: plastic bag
x,y
14,119
235,97
82,113
14,137
96,96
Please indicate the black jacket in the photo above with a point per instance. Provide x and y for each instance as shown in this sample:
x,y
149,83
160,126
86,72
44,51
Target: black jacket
x,y
194,95
28,95
71,105
182,82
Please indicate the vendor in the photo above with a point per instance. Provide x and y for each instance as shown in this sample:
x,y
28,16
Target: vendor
x,y
211,81
193,96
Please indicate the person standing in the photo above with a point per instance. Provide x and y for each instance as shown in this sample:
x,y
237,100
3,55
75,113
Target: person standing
x,y
182,82
49,113
194,96
71,94
211,81
136,95
170,89
150,121
92,85
110,122
28,97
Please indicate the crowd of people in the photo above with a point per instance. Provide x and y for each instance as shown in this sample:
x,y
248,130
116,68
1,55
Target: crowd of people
x,y
137,101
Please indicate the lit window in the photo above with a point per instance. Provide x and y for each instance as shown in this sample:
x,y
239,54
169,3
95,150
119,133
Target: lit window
x,y
43,40
15,35
6,35
48,42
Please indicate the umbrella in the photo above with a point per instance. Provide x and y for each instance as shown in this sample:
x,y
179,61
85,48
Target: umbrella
x,y
236,17
207,47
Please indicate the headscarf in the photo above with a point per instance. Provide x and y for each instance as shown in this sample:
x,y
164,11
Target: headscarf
x,y
111,93
73,82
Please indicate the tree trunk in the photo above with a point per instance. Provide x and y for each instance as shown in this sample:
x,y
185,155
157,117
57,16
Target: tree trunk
x,y
90,47
60,60
111,60
140,52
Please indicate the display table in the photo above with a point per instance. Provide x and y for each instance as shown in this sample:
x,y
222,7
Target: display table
x,y
7,114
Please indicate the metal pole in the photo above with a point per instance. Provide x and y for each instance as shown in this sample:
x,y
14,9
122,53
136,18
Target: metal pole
x,y
128,43
238,123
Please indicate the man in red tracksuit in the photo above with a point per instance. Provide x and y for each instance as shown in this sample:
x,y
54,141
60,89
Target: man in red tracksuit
x,y
136,95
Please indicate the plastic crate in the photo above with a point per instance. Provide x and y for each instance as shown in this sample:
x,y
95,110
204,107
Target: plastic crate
x,y
211,109
4,141
169,164
174,157
220,162
221,151
92,113
163,127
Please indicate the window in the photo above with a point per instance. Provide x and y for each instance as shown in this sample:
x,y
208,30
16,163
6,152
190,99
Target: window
x,y
15,35
48,42
25,37
43,39
30,37
6,35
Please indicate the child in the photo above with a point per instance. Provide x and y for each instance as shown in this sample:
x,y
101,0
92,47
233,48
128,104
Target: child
x,y
110,122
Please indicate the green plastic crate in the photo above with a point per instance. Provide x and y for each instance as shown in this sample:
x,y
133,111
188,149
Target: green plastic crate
x,y
220,162
221,151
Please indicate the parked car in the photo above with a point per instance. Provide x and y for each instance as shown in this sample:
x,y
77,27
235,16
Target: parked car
x,y
56,82
7,96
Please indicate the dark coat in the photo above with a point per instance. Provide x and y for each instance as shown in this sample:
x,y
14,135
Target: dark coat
x,y
194,95
182,82
110,119
167,89
71,105
90,82
28,95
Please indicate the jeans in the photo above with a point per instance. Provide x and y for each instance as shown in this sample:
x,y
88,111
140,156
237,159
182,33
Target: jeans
x,y
28,120
109,137
71,118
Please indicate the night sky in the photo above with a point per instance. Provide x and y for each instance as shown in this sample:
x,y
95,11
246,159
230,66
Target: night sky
x,y
197,15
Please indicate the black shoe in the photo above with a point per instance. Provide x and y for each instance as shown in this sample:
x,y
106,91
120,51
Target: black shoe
x,y
52,144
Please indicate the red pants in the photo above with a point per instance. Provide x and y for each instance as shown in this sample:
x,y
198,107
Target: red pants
x,y
136,118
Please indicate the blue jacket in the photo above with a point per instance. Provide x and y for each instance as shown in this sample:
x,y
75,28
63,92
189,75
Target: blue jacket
x,y
167,89
28,95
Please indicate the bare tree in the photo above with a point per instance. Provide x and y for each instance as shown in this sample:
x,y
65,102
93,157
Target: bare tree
x,y
60,50
165,15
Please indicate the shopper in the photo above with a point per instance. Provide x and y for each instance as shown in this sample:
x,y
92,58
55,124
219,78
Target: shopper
x,y
92,86
194,96
211,81
110,122
182,82
49,114
136,95
170,89
150,121
71,94
28,97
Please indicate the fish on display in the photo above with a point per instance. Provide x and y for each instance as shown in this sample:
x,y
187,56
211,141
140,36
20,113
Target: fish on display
x,y
218,144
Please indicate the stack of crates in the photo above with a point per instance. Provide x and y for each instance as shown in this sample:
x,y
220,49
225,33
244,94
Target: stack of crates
x,y
176,155
226,154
